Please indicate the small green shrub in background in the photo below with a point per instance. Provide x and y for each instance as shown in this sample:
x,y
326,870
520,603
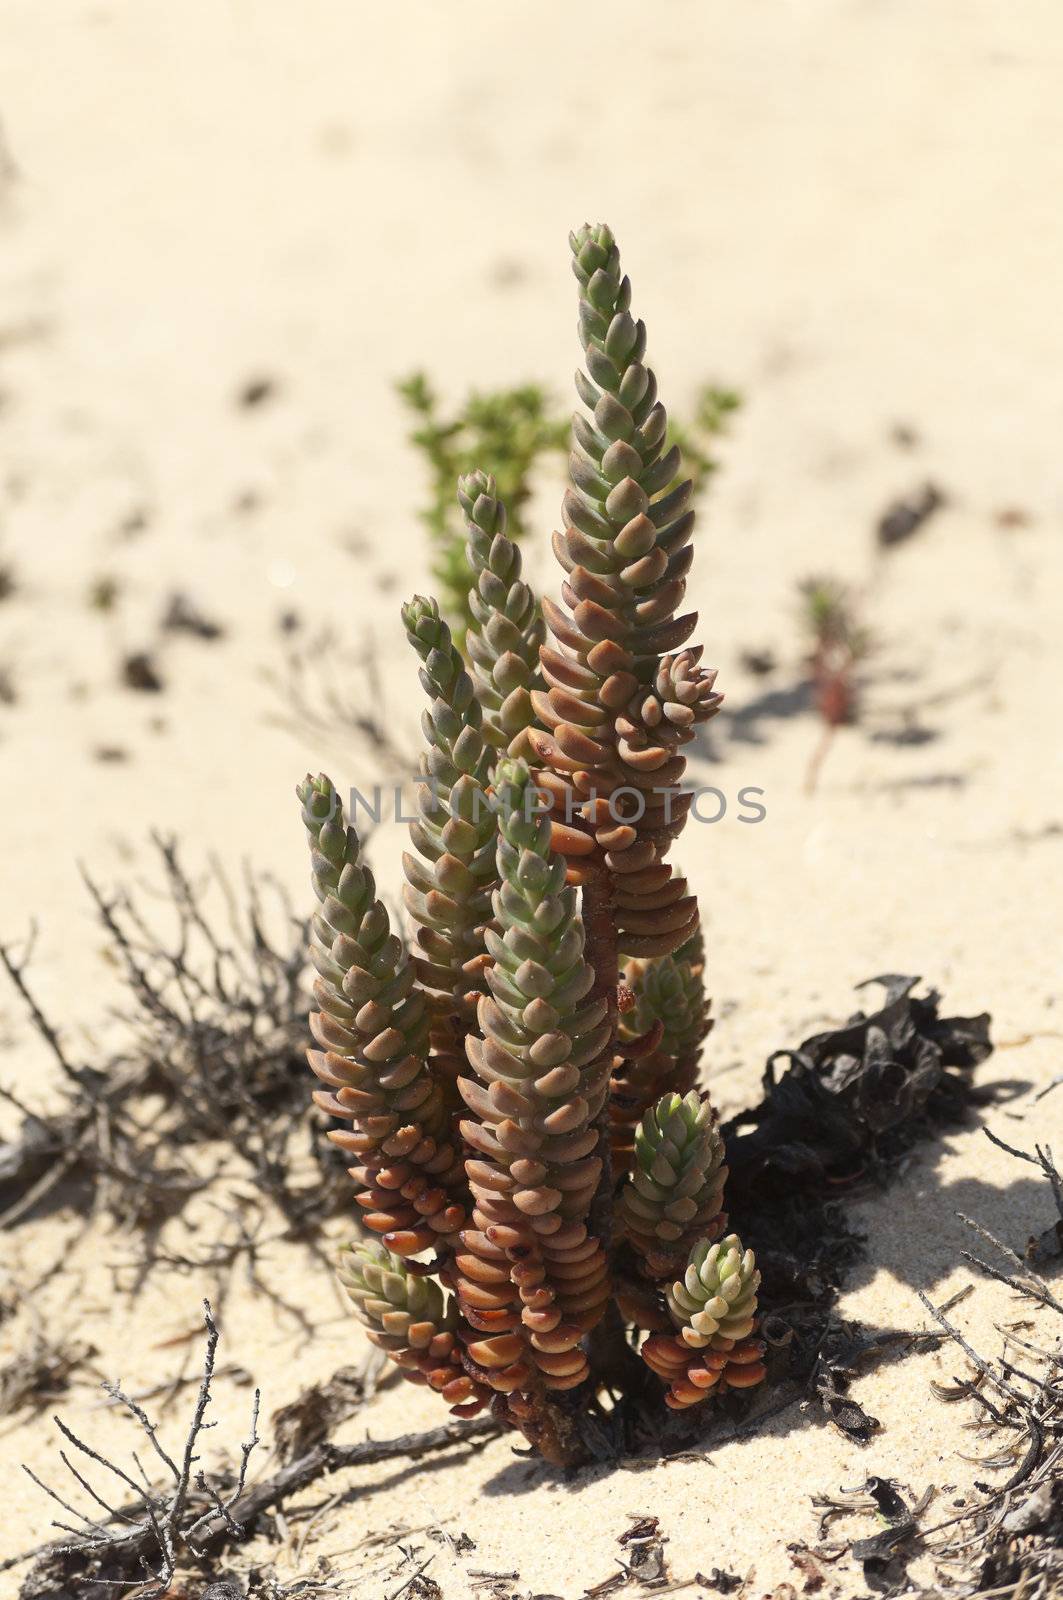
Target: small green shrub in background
x,y
513,428
713,409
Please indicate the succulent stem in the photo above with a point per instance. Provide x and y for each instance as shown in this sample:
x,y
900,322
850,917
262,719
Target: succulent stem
x,y
507,629
449,882
533,1275
373,1036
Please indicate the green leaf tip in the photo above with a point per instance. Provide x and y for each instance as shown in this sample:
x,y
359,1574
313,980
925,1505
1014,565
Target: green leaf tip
x,y
716,1299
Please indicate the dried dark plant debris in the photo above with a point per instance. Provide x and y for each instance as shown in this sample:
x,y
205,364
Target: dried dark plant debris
x,y
183,615
811,1570
720,1581
846,1107
899,1538
140,671
312,1416
182,1528
884,1555
906,516
852,1098
43,1370
205,1098
163,1526
1008,1540
644,1558
264,1584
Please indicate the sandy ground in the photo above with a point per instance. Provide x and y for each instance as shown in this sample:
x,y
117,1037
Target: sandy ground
x,y
848,210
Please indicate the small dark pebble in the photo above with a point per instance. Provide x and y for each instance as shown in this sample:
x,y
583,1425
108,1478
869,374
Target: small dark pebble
x,y
112,753
289,622
759,662
8,583
134,522
256,392
140,672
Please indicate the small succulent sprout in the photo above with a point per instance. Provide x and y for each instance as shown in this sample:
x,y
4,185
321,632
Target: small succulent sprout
x,y
666,992
675,1189
714,1309
715,1302
399,1307
673,992
692,1376
663,715
407,1315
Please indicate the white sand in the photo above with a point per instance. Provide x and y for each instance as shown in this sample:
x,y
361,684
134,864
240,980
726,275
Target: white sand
x,y
851,212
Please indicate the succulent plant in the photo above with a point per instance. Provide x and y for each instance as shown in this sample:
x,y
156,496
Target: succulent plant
x,y
449,881
530,1148
372,1029
665,1003
673,1196
407,1316
713,1306
716,1298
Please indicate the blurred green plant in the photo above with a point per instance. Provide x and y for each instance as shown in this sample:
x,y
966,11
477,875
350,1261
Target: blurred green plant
x,y
713,409
103,592
507,428
510,430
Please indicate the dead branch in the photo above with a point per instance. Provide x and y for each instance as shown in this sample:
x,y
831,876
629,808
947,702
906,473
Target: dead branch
x,y
216,1013
192,1517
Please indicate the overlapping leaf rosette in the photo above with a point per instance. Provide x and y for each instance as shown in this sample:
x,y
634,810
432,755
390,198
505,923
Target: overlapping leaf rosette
x,y
713,1307
408,1317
